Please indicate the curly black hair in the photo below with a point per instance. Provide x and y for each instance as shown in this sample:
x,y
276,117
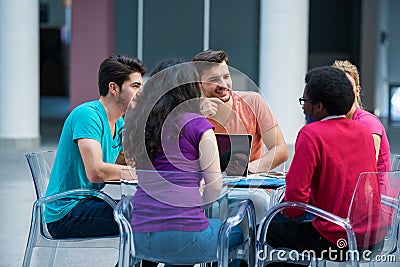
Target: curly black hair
x,y
171,85
332,88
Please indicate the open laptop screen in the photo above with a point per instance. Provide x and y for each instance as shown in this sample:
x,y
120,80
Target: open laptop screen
x,y
234,153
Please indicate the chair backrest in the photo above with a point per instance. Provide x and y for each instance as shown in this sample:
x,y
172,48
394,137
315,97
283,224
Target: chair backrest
x,y
394,162
156,184
40,164
374,209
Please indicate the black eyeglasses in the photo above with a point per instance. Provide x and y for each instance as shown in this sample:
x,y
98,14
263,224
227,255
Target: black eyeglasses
x,y
303,100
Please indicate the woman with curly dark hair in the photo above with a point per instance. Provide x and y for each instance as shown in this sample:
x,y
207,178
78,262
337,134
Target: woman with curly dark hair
x,y
165,132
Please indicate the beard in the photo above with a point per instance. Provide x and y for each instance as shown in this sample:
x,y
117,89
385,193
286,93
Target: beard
x,y
309,119
125,105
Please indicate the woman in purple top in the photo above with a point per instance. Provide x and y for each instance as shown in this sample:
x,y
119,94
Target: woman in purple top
x,y
164,132
382,148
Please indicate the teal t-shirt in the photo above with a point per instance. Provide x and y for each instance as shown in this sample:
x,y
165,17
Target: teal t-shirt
x,y
88,120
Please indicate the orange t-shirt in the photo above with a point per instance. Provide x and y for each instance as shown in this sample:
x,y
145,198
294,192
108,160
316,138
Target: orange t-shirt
x,y
250,115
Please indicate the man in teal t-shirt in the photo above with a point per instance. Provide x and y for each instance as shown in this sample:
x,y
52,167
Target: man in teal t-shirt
x,y
89,148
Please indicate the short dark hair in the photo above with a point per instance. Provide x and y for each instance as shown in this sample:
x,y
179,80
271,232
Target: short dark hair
x,y
208,59
216,56
332,88
117,68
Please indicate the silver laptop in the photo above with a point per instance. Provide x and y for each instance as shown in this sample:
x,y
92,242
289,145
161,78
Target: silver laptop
x,y
234,153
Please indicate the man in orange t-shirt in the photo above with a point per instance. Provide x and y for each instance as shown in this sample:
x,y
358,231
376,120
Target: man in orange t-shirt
x,y
236,112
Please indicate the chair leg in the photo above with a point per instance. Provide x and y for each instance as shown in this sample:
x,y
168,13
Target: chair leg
x,y
320,263
53,254
28,251
32,238
125,258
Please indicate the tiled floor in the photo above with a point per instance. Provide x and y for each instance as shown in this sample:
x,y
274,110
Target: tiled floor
x,y
17,195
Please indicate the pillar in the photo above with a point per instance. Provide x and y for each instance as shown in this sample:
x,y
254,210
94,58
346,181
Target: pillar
x,y
19,74
283,61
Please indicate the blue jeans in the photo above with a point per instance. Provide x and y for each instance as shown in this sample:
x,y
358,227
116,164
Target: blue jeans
x,y
180,247
299,234
89,218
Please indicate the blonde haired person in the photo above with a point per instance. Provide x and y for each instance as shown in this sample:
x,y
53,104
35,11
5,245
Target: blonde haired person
x,y
357,112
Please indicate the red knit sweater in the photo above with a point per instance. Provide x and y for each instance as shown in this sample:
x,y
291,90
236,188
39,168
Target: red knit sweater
x,y
329,156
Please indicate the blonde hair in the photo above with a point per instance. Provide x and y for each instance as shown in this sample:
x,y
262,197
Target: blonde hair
x,y
352,70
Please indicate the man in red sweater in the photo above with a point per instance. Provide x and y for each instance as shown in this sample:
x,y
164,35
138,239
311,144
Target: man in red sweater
x,y
330,153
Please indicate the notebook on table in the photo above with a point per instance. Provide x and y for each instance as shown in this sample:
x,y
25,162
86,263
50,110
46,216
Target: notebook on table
x,y
258,182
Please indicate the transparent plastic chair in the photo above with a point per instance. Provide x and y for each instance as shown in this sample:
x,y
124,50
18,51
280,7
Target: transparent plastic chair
x,y
377,211
394,162
243,213
276,196
40,165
